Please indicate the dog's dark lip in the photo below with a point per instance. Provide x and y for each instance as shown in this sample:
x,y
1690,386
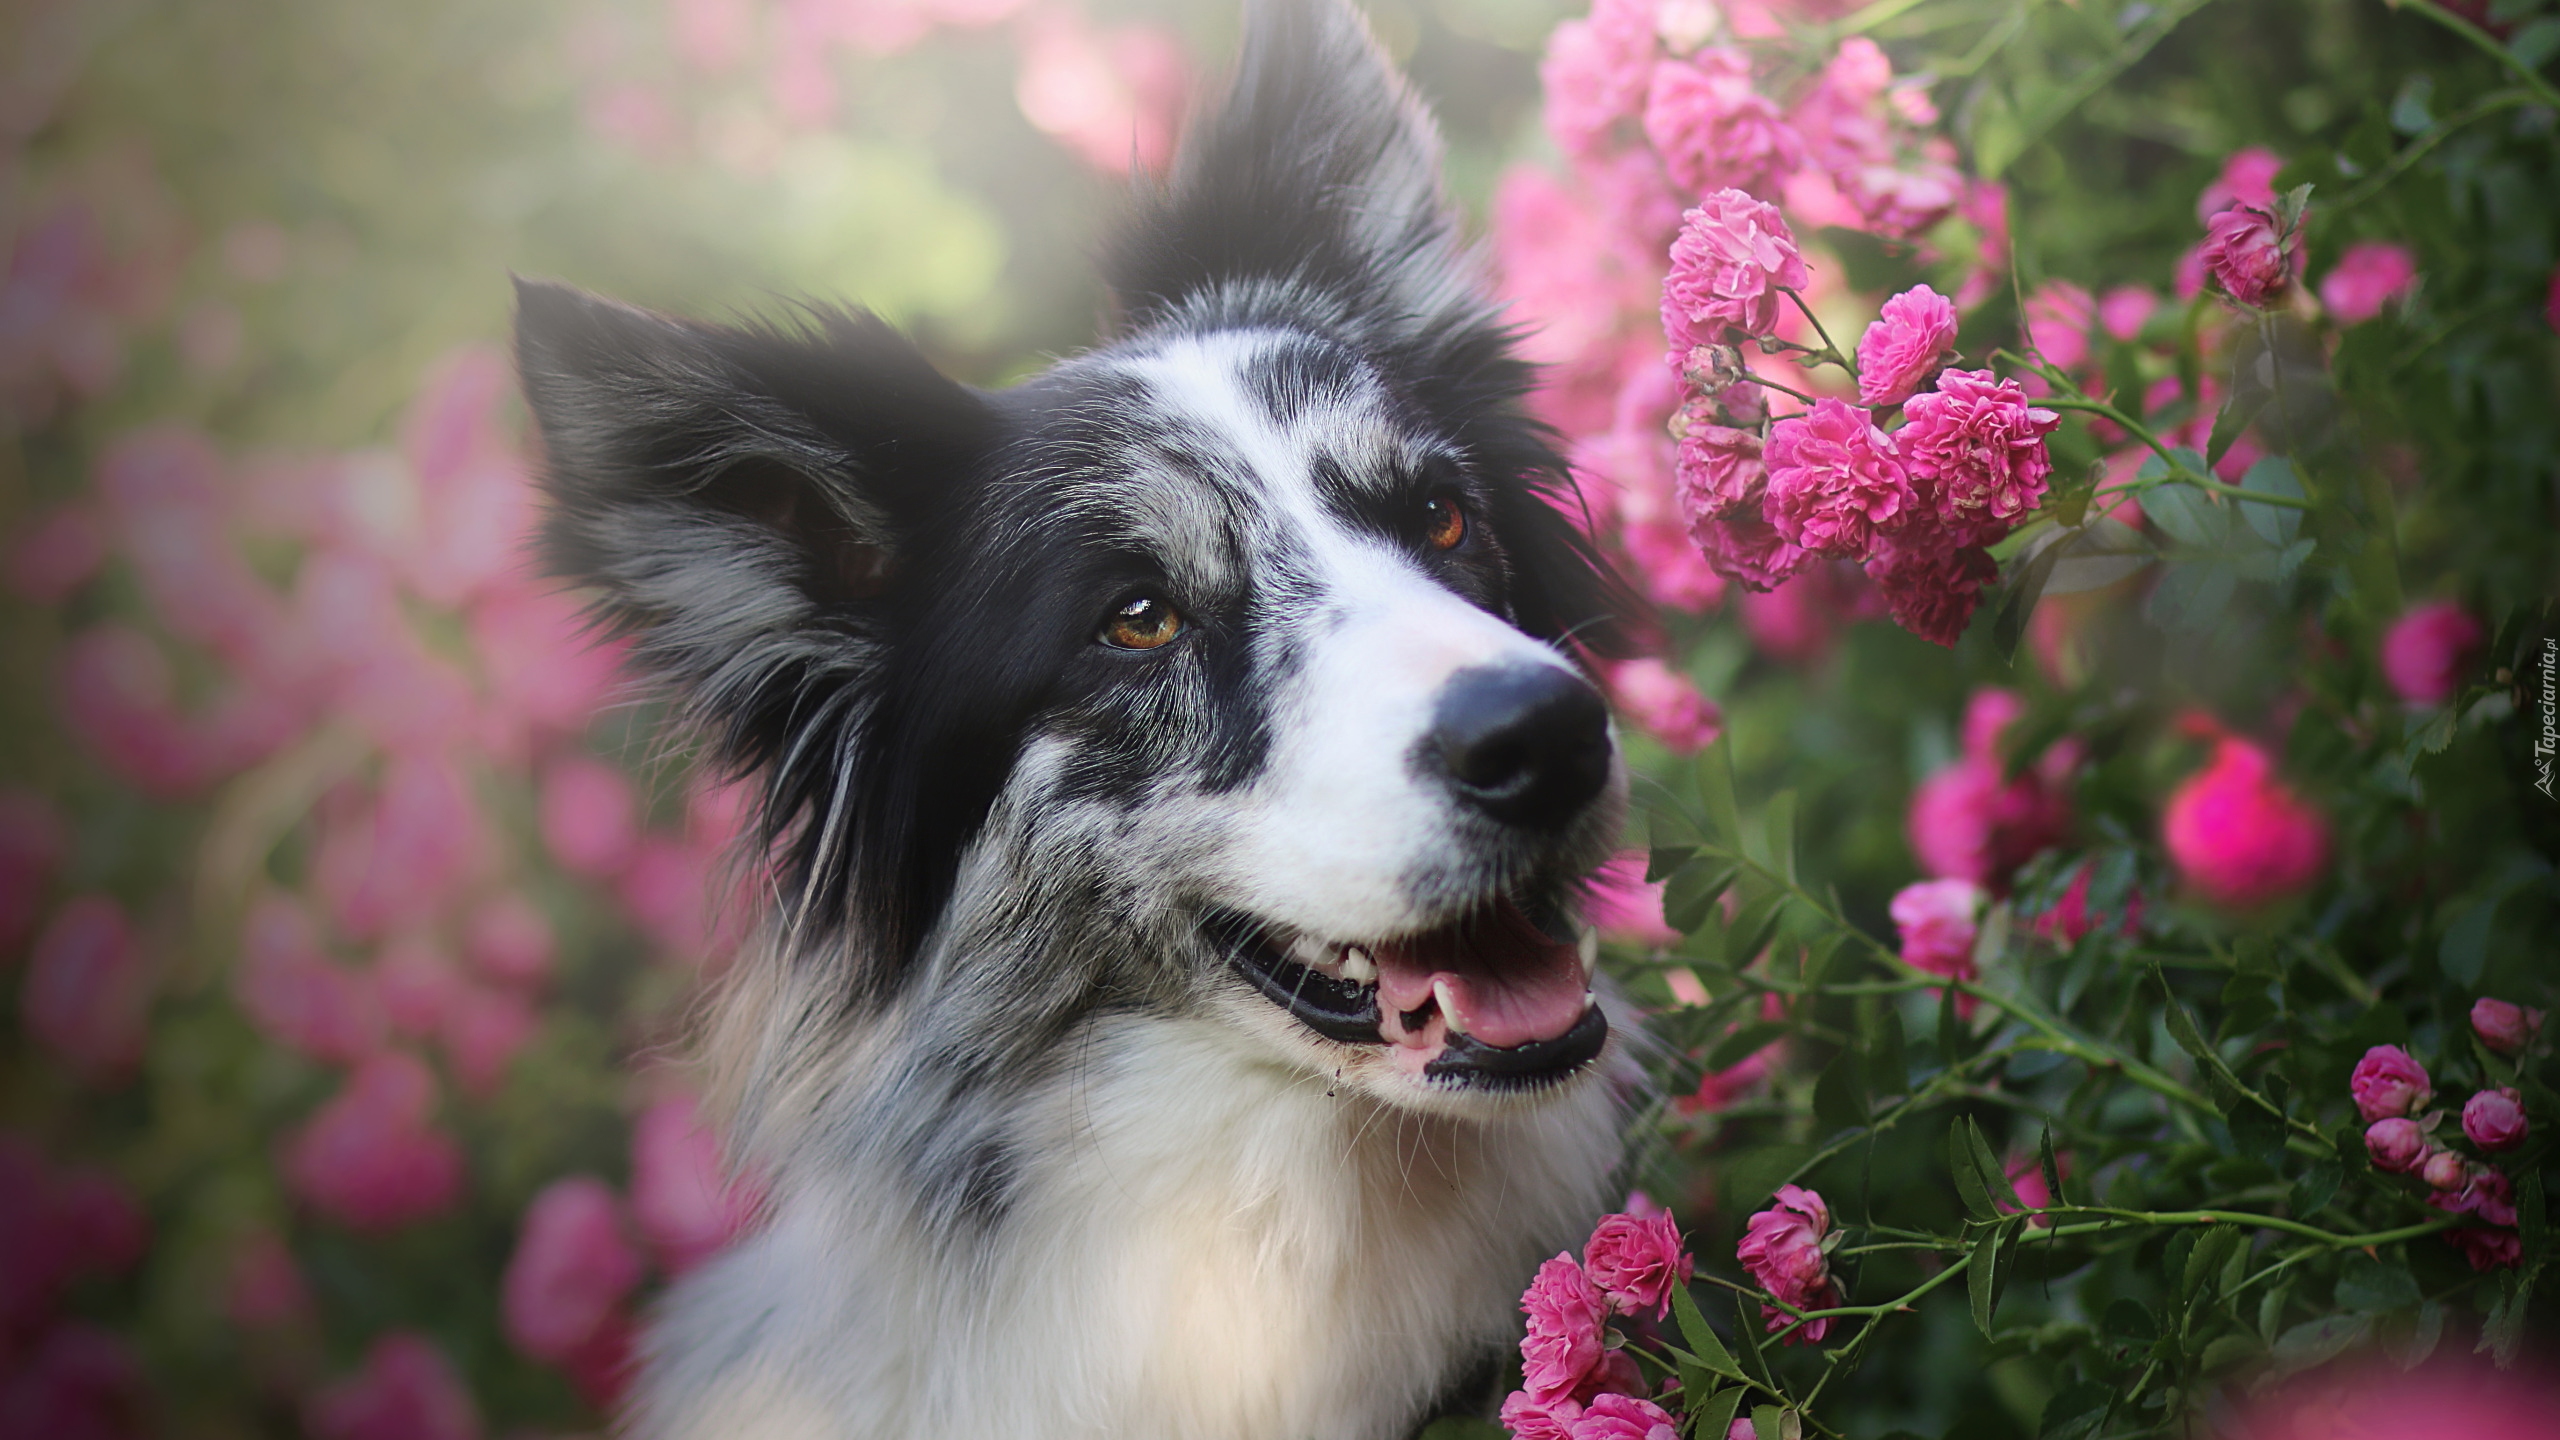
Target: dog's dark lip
x,y
1346,1011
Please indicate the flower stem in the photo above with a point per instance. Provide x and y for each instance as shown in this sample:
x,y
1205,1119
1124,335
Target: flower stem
x,y
1830,351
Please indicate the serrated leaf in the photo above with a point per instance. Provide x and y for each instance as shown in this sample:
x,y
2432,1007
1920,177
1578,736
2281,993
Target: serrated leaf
x,y
1693,892
2230,1352
1715,792
1982,1278
1840,1095
2367,1285
2205,1261
1752,928
2257,1134
1778,829
2232,421
2182,1029
2275,524
2411,1348
1702,1340
1713,1414
1995,1175
1967,1174
2315,1189
1665,861
2187,516
2315,1342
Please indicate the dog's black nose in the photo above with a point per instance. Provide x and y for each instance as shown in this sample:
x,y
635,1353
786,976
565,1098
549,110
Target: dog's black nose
x,y
1525,744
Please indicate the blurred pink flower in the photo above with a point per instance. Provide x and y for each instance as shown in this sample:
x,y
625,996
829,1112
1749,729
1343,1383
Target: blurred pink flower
x,y
103,1228
2248,178
57,552
2371,275
88,989
510,941
2504,1026
118,698
1624,1417
588,814
1666,704
2449,1398
264,1288
1967,822
1782,1248
1671,570
687,1205
1938,920
2387,1082
1113,97
1566,1312
406,1390
2239,835
573,1265
1795,623
2123,310
294,993
2058,320
78,1383
1873,166
1595,72
1834,479
1733,256
1980,442
1914,336
417,984
1713,128
2026,1176
712,35
1636,1260
543,669
2494,1119
1718,1089
397,862
2069,921
33,841
1621,905
369,1159
2396,1143
2250,257
484,1030
2429,652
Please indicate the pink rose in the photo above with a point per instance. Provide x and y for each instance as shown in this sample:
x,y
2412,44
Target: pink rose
x,y
483,1031
1528,1418
1931,578
2428,653
1968,822
2505,1027
2488,1249
368,1158
2026,1176
2070,919
1672,570
1834,479
1720,471
1938,921
688,1206
2122,311
2396,1144
1624,1417
2371,275
2240,836
407,1390
2059,316
1665,704
2248,178
295,995
1744,547
1595,73
1635,1260
510,941
1563,1345
2494,1119
2251,259
1983,445
265,1288
589,818
2387,1082
1782,1248
1714,129
1909,343
2444,1170
572,1265
88,990
1731,259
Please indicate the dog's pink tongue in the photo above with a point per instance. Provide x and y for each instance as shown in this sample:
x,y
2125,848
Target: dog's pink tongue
x,y
1508,981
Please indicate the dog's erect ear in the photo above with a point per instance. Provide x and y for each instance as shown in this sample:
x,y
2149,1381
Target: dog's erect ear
x,y
1320,169
740,496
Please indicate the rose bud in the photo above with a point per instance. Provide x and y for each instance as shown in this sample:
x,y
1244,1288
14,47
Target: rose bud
x,y
2387,1083
2504,1027
2444,1170
2396,1144
2494,1119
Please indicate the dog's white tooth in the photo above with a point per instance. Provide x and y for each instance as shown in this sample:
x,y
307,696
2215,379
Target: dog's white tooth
x,y
1449,1007
1357,967
1588,947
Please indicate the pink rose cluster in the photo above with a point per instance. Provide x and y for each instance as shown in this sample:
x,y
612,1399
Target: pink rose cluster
x,y
1786,1249
1574,1385
2429,653
2392,1092
2238,835
1971,820
1916,505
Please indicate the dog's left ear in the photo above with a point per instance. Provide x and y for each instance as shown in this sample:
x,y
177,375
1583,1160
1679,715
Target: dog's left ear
x,y
742,499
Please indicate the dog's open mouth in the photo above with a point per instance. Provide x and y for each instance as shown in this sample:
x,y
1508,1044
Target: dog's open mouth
x,y
1488,1001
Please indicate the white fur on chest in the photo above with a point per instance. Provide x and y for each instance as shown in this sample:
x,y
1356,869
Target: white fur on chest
x,y
1200,1245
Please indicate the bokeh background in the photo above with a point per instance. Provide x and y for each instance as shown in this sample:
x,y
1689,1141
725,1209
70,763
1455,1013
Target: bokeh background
x,y
351,910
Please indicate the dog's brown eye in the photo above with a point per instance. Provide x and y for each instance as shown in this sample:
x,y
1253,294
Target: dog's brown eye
x,y
1142,623
1444,521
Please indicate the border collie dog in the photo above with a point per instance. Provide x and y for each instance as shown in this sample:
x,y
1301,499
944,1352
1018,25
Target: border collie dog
x,y
1172,1019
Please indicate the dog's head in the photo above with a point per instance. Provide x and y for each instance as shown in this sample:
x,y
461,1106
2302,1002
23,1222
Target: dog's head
x,y
1228,669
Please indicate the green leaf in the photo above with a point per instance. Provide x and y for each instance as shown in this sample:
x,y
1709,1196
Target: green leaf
x,y
2411,1347
1840,1096
1753,927
1666,861
2536,43
1713,1414
1778,828
1982,1278
2204,1263
1699,1337
2232,421
1747,1329
2532,1221
1730,1051
1715,791
2465,951
2128,1319
2188,515
2192,596
1996,136
2502,1334
2021,588
2257,1134
2051,1167
2074,1410
1951,1031
2316,1342
2276,524
1968,1175
2317,1187
2368,1285
1995,1175
1888,1068
2182,1028
2230,1352
1693,891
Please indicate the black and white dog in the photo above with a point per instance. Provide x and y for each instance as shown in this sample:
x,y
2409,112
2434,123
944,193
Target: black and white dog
x,y
1172,1021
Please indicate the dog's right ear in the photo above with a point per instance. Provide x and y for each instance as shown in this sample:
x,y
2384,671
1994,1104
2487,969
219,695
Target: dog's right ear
x,y
741,498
